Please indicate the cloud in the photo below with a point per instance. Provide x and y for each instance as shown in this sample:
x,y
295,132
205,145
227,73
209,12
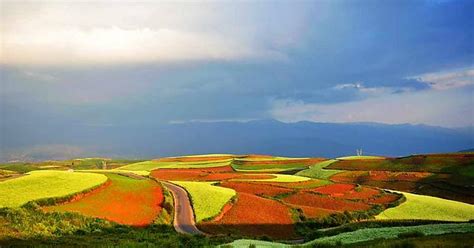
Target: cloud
x,y
448,79
77,33
118,45
348,86
370,91
451,108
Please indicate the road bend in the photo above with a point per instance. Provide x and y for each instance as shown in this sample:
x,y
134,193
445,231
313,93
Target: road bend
x,y
183,215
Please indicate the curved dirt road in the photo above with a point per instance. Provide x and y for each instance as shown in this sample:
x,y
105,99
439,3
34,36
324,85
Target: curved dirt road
x,y
183,215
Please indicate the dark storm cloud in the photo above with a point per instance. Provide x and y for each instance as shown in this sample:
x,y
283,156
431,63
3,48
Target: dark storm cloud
x,y
264,53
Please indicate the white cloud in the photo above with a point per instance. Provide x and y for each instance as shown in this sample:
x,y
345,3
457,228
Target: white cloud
x,y
117,45
356,85
448,79
62,33
451,108
359,87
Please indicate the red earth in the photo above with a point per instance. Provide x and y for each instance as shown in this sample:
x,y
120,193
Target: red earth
x,y
207,174
124,200
314,200
254,216
256,189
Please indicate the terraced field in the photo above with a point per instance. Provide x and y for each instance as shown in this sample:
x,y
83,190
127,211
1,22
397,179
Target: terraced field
x,y
273,164
42,185
318,170
235,196
441,175
429,208
124,200
207,199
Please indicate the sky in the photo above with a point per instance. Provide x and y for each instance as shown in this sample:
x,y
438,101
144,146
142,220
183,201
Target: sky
x,y
108,63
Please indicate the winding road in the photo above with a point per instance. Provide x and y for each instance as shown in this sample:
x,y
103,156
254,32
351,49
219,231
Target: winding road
x,y
183,215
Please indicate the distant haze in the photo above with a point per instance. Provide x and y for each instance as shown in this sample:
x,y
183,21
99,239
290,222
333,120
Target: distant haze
x,y
263,137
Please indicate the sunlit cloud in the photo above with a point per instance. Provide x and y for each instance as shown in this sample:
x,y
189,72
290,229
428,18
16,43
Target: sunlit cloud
x,y
77,33
443,108
117,45
360,88
448,79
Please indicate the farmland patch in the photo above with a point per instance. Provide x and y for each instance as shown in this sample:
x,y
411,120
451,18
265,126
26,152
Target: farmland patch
x,y
254,216
125,201
39,185
429,208
207,199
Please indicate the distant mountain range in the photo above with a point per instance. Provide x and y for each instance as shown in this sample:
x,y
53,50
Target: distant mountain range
x,y
262,137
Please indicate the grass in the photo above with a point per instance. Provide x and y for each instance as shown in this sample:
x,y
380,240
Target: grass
x,y
447,240
7,172
78,164
31,227
151,165
18,167
317,171
393,233
367,234
429,208
281,178
140,173
39,185
207,199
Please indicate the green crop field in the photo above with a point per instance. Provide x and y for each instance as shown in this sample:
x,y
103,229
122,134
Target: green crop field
x,y
363,235
137,172
393,232
318,170
429,208
207,199
268,167
151,165
46,184
269,164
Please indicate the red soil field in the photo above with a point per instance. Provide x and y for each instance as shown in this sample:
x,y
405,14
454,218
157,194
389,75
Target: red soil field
x,y
335,189
312,212
194,159
256,189
234,176
203,175
125,201
363,193
386,176
318,201
313,183
348,191
436,163
309,161
254,216
384,199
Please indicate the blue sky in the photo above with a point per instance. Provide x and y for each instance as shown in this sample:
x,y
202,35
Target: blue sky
x,y
112,63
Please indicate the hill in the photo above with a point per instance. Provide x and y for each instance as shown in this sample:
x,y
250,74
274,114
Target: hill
x,y
301,139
